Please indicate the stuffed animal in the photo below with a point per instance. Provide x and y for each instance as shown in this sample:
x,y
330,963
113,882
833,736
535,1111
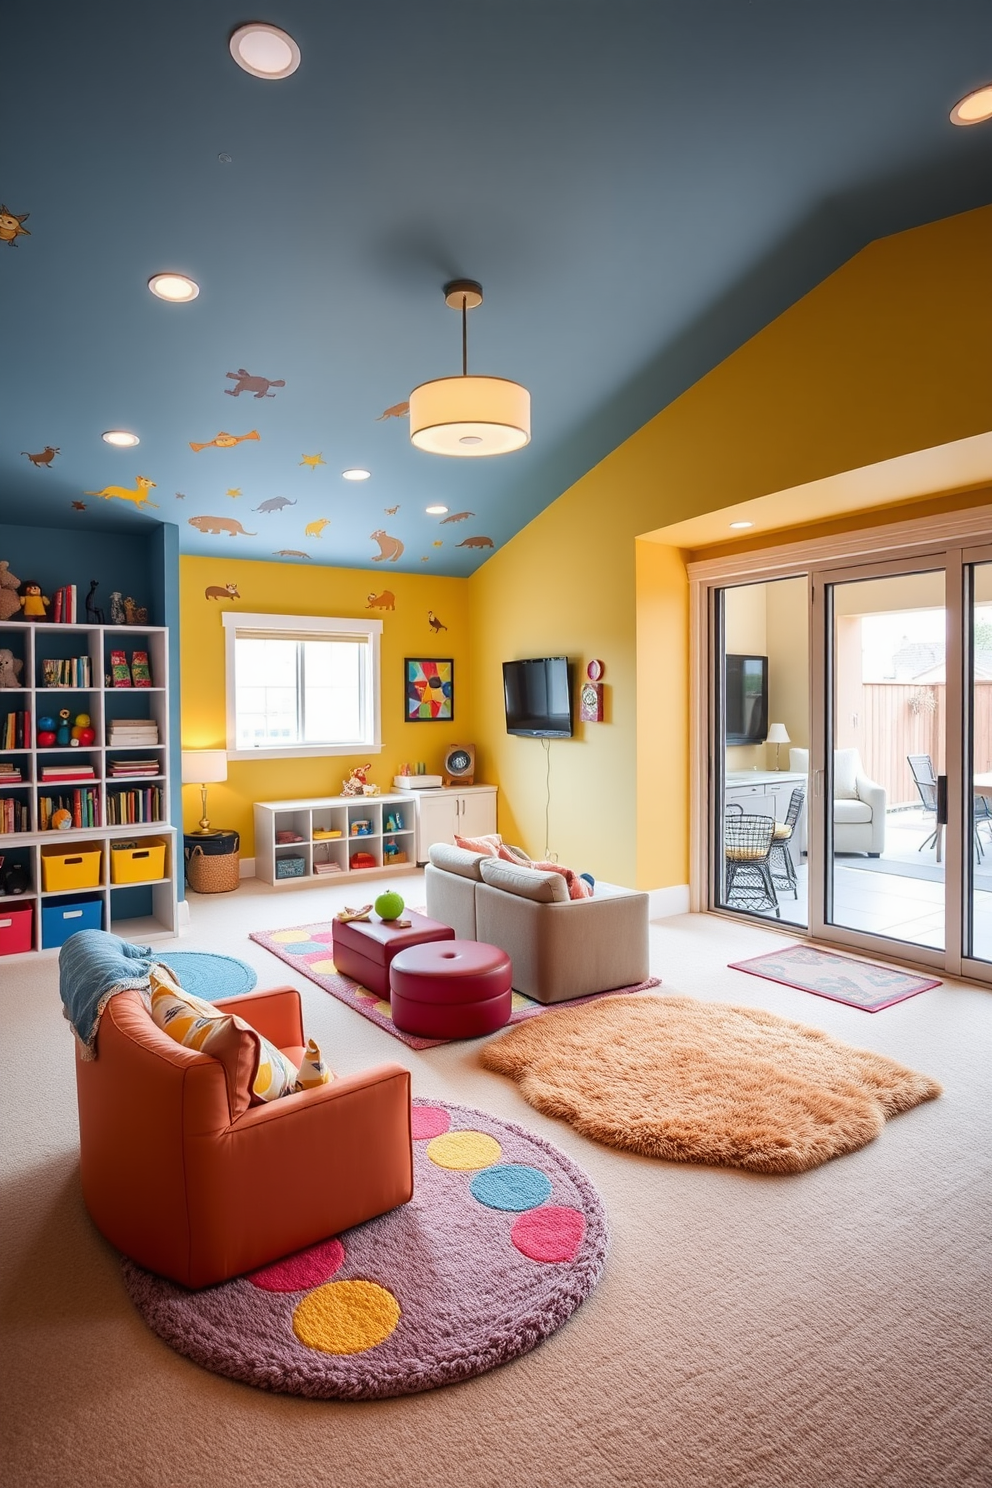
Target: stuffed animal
x,y
10,602
357,783
11,667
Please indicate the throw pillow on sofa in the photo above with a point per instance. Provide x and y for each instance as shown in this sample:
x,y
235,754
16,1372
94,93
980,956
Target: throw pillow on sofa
x,y
313,1071
579,886
250,1061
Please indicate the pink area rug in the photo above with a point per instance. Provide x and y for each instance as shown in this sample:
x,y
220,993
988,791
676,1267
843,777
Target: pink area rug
x,y
503,1239
307,948
861,984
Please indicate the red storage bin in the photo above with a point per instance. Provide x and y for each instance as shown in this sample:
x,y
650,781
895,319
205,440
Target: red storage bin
x,y
16,927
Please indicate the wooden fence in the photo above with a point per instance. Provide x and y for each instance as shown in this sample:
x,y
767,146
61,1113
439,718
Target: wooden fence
x,y
903,718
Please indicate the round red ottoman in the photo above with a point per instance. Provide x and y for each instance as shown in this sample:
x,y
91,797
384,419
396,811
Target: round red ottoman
x,y
450,989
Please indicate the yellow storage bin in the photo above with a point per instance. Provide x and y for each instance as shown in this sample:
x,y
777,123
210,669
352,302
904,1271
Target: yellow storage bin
x,y
139,860
70,867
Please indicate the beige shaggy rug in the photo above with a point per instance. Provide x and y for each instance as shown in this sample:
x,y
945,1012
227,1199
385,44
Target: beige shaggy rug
x,y
705,1082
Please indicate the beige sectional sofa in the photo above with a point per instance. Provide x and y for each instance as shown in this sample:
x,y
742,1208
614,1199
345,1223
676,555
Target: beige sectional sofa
x,y
560,948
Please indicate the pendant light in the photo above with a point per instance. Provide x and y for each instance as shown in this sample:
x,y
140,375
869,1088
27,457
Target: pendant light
x,y
468,415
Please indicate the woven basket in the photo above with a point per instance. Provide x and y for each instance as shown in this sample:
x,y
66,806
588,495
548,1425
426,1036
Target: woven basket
x,y
212,874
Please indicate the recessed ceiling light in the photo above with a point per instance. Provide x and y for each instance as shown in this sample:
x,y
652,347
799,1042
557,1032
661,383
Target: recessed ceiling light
x,y
974,108
175,287
356,474
435,511
120,437
265,51
741,524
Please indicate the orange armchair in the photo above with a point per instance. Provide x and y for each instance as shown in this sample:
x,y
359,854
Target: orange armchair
x,y
187,1191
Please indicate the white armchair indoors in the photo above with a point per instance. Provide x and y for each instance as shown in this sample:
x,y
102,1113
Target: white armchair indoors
x,y
859,803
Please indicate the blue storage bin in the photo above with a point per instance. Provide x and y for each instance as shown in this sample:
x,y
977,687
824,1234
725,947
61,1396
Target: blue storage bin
x,y
291,867
61,918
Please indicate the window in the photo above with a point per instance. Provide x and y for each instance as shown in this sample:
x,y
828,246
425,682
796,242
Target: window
x,y
301,685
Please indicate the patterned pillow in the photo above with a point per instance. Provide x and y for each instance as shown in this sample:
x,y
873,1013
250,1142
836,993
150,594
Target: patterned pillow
x,y
313,1070
251,1063
489,844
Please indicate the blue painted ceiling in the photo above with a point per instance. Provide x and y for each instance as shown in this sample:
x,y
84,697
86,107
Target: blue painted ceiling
x,y
640,185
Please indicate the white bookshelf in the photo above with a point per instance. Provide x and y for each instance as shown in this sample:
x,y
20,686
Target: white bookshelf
x,y
33,643
307,819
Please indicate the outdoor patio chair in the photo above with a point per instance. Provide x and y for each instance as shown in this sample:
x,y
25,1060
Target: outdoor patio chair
x,y
921,767
782,867
747,845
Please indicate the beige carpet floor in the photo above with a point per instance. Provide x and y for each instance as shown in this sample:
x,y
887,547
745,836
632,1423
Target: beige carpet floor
x,y
828,1328
695,1081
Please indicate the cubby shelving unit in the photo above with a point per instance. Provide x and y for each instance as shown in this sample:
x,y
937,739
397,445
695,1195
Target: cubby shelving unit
x,y
137,911
307,819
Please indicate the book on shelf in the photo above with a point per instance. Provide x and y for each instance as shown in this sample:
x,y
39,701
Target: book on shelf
x,y
132,731
64,605
10,774
15,730
67,772
67,671
327,868
120,672
82,804
14,815
124,769
140,671
133,807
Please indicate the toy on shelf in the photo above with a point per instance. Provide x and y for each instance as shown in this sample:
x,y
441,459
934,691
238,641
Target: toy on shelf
x,y
63,733
34,605
11,667
10,586
61,819
393,822
357,783
140,674
82,732
134,614
119,669
117,608
361,829
46,732
94,614
362,860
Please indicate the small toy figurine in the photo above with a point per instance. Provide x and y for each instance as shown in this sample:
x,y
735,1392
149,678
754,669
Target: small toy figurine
x,y
116,608
33,603
83,734
10,586
134,614
93,612
357,782
61,819
63,734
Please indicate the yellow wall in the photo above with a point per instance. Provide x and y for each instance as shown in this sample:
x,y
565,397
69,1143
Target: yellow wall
x,y
886,356
746,634
279,588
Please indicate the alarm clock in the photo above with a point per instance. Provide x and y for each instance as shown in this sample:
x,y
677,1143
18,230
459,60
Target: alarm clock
x,y
459,764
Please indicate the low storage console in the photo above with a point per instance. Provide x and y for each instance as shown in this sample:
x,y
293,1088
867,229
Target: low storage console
x,y
334,837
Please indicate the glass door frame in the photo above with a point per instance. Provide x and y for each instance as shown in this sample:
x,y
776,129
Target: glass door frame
x,y
957,843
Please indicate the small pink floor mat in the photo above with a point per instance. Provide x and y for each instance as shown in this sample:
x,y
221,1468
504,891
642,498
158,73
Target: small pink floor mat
x,y
307,948
861,984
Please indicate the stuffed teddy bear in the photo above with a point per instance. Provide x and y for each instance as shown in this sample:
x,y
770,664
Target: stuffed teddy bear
x,y
10,603
11,667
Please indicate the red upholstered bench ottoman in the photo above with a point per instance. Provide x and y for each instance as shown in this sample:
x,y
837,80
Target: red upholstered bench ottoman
x,y
451,989
363,949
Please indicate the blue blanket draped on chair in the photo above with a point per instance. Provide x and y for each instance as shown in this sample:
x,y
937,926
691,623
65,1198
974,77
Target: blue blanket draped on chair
x,y
93,965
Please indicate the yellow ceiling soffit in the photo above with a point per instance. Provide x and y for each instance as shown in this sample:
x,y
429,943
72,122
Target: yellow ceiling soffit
x,y
960,466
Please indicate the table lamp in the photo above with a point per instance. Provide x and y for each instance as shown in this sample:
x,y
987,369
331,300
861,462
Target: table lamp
x,y
778,736
204,767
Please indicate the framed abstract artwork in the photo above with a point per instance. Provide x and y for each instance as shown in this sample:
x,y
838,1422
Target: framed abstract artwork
x,y
429,689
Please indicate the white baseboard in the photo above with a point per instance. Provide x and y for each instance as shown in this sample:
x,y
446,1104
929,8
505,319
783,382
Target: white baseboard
x,y
182,916
663,903
246,868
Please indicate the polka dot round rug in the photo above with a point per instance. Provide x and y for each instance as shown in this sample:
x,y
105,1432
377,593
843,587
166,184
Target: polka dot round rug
x,y
503,1239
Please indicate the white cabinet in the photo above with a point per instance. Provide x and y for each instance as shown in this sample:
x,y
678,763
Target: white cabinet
x,y
333,837
67,671
441,815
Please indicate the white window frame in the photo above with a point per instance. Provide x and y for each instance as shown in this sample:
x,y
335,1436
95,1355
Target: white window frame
x,y
286,627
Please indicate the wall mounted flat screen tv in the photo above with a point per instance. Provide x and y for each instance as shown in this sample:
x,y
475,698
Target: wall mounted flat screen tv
x,y
538,697
746,697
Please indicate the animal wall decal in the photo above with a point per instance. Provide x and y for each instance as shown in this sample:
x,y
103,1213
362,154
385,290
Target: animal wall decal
x,y
274,504
316,528
384,601
313,461
43,457
398,410
389,547
244,382
435,623
438,542
456,517
218,591
291,553
391,510
476,542
139,495
216,525
223,440
10,226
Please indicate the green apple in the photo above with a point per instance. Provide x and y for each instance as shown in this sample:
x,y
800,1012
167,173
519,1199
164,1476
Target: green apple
x,y
389,906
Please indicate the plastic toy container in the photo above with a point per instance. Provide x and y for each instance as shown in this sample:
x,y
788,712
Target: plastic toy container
x,y
139,860
66,916
68,866
16,925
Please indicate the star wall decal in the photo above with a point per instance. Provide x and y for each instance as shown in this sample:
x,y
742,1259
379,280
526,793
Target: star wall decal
x,y
313,461
79,506
234,490
438,543
180,495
